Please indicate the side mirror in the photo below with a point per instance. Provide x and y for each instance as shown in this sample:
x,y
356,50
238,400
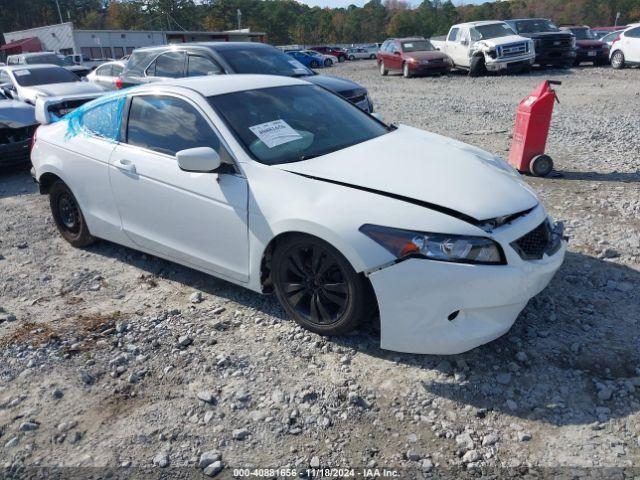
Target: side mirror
x,y
396,53
200,159
464,41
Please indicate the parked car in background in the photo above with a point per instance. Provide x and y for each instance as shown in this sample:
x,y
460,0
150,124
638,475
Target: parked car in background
x,y
359,53
553,47
29,82
588,48
491,46
85,61
328,60
339,53
151,64
241,177
311,60
599,32
107,75
412,56
49,58
625,50
17,124
609,38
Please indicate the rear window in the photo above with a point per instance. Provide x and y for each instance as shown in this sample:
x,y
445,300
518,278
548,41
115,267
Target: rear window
x,y
267,61
41,59
28,77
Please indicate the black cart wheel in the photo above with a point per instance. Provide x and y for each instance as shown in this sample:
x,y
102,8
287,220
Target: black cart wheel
x,y
68,216
318,287
541,166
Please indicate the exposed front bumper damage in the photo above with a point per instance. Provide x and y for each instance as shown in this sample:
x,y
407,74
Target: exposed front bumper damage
x,y
494,65
433,307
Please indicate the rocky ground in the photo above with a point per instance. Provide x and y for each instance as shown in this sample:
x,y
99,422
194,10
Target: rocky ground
x,y
113,359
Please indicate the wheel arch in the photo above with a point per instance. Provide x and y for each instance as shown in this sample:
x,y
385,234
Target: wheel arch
x,y
47,178
262,265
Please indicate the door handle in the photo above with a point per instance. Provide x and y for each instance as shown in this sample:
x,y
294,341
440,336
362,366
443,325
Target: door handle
x,y
126,165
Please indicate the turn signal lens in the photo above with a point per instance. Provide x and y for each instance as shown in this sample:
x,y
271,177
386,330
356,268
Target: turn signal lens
x,y
436,246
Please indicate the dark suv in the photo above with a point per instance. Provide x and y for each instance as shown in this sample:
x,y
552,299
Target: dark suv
x,y
553,46
218,58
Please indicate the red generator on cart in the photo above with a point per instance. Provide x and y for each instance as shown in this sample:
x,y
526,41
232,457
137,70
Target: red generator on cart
x,y
531,131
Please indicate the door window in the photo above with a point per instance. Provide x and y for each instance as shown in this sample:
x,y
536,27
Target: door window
x,y
170,65
633,33
453,35
104,120
167,125
105,71
116,70
199,65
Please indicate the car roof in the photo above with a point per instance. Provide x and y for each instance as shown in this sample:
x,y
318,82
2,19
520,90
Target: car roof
x,y
211,85
35,66
523,19
214,45
478,24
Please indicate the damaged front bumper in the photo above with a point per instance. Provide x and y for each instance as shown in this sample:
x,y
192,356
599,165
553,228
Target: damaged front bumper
x,y
499,64
433,307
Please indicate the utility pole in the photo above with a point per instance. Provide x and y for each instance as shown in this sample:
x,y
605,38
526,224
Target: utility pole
x,y
617,18
59,12
239,18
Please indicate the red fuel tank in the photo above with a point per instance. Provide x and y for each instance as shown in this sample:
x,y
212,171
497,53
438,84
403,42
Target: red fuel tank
x,y
531,131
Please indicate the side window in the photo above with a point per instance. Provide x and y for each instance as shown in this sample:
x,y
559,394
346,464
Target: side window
x,y
104,120
105,70
168,125
199,65
453,35
4,78
633,33
170,65
116,70
463,35
475,36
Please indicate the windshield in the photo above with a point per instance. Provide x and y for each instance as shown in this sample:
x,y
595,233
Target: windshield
x,y
417,46
43,76
493,30
40,59
289,124
536,26
266,61
582,34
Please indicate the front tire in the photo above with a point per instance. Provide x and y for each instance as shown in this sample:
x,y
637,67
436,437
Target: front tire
x,y
341,59
477,67
328,62
317,286
406,72
617,60
68,216
383,70
314,64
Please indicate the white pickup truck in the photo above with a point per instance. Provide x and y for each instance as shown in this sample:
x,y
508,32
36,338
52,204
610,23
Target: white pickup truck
x,y
486,46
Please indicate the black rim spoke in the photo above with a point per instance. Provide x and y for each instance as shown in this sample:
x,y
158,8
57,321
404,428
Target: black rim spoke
x,y
314,285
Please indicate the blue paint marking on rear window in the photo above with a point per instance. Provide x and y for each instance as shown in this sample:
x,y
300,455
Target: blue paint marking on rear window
x,y
101,117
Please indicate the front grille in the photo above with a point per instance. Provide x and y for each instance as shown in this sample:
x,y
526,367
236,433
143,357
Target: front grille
x,y
534,244
512,50
555,42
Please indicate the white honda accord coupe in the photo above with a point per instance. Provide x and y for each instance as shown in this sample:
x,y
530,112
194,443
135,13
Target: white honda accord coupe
x,y
276,184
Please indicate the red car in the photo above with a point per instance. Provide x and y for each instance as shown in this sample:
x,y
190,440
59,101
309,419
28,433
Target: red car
x,y
412,56
335,51
588,48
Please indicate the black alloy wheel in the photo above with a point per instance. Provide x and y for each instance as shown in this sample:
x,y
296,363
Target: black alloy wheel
x,y
317,286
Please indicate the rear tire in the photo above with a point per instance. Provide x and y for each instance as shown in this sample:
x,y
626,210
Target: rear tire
x,y
383,70
617,60
318,287
328,62
477,67
341,59
68,216
314,64
351,57
372,57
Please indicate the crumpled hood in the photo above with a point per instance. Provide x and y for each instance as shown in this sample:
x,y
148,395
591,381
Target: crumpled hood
x,y
15,114
58,89
494,42
427,167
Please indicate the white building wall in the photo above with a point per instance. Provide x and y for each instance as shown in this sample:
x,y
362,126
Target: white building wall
x,y
54,38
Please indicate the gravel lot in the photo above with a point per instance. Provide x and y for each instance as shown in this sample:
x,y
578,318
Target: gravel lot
x,y
112,358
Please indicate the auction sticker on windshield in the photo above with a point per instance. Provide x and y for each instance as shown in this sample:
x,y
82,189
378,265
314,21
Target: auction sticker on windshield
x,y
275,133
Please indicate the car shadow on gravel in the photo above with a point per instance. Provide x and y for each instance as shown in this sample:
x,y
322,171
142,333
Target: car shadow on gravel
x,y
16,181
572,356
622,177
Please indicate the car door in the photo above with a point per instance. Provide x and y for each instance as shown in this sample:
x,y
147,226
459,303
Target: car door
x,y
394,56
460,48
166,65
198,219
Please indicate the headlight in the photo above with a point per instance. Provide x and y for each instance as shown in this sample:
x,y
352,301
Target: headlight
x,y
436,246
411,60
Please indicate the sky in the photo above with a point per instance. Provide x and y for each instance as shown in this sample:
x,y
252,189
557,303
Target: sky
x,y
360,3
